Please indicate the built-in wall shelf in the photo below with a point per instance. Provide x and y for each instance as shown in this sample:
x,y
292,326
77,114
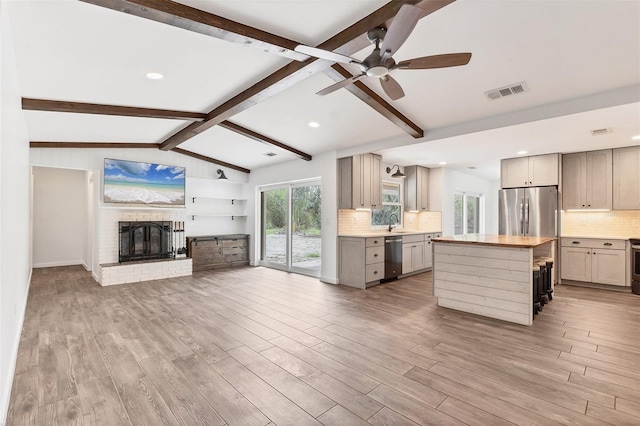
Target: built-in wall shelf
x,y
232,216
233,200
136,207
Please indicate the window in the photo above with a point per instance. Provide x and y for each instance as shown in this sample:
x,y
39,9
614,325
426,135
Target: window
x,y
466,213
391,211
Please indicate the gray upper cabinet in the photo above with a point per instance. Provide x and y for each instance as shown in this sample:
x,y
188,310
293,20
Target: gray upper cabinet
x,y
359,182
416,188
626,178
587,180
537,170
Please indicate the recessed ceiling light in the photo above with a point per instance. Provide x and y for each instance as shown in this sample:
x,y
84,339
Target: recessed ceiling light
x,y
154,76
521,152
442,163
314,124
636,138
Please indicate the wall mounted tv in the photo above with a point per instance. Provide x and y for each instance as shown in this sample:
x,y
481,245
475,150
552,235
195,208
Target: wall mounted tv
x,y
133,182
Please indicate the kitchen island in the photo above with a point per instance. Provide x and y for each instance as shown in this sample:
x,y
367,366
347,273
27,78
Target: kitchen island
x,y
488,275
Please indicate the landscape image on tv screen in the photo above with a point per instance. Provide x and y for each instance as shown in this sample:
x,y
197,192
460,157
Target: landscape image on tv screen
x,y
143,183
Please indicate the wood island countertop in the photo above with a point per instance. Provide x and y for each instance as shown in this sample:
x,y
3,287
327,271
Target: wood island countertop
x,y
495,240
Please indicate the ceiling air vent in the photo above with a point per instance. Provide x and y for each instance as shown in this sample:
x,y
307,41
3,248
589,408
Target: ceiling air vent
x,y
507,91
270,154
600,132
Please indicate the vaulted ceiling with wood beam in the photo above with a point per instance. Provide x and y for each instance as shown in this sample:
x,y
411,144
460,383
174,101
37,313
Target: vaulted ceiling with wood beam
x,y
235,91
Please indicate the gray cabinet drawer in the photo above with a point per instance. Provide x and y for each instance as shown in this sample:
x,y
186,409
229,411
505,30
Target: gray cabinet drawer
x,y
374,254
374,272
600,243
374,241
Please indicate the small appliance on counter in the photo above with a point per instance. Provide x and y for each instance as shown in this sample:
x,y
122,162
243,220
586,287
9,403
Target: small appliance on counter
x,y
635,265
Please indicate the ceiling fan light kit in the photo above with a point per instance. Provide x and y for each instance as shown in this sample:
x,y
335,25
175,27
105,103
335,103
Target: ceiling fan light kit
x,y
380,63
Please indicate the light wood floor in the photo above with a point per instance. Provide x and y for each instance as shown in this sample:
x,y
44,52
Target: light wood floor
x,y
258,346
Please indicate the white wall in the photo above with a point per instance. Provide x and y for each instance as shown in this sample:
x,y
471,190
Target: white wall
x,y
492,207
323,166
59,217
445,182
201,180
15,226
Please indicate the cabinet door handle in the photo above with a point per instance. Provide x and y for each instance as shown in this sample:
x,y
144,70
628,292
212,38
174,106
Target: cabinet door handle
x,y
375,255
608,244
375,241
575,242
375,272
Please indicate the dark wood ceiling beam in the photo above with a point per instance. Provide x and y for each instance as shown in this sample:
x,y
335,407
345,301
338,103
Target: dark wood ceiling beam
x,y
84,108
87,108
119,145
263,139
346,42
210,160
196,20
104,145
375,101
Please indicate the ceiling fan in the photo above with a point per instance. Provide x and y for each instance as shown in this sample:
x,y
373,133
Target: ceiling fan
x,y
380,62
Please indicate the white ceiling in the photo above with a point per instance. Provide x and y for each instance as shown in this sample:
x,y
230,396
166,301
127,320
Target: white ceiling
x,y
580,60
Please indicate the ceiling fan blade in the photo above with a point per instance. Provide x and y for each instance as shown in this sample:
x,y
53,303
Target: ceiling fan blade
x,y
399,30
340,85
325,54
391,87
435,61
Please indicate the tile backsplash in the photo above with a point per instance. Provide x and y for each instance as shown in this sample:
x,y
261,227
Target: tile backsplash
x,y
614,223
359,221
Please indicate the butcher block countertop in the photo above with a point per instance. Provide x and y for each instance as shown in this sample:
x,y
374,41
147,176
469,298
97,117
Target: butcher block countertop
x,y
495,240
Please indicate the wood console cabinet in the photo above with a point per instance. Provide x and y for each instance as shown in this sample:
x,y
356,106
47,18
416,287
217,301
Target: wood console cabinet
x,y
218,251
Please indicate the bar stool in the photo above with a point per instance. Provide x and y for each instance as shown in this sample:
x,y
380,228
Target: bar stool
x,y
549,287
535,271
542,286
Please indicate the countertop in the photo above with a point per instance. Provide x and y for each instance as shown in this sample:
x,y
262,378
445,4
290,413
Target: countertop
x,y
384,233
600,238
495,240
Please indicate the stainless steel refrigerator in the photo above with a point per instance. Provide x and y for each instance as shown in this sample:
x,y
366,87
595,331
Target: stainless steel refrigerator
x,y
528,211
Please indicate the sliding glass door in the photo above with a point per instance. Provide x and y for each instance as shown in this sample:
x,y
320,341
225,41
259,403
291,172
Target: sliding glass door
x,y
291,225
275,221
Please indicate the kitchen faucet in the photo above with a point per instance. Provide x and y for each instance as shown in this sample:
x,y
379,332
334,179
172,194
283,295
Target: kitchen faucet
x,y
390,222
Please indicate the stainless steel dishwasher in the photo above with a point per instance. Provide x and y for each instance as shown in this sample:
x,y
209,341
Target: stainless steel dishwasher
x,y
392,256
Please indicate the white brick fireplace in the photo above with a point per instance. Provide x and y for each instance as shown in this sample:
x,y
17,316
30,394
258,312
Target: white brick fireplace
x,y
110,272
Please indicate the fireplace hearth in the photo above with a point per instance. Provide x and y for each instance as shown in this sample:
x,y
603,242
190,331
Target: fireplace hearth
x,y
145,241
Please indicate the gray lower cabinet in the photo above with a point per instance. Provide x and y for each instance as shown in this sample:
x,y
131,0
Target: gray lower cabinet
x,y
412,253
594,260
428,248
218,251
360,261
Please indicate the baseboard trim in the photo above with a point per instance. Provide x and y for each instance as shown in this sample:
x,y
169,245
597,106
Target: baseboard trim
x,y
5,399
62,263
329,280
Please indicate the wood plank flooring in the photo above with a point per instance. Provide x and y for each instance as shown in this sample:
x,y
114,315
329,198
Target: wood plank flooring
x,y
255,346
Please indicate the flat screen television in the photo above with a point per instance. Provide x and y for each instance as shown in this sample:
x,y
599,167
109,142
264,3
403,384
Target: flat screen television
x,y
133,182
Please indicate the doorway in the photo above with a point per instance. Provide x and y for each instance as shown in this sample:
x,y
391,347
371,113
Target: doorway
x,y
291,227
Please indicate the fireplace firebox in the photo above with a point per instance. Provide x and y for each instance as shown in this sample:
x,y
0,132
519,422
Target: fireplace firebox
x,y
145,241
